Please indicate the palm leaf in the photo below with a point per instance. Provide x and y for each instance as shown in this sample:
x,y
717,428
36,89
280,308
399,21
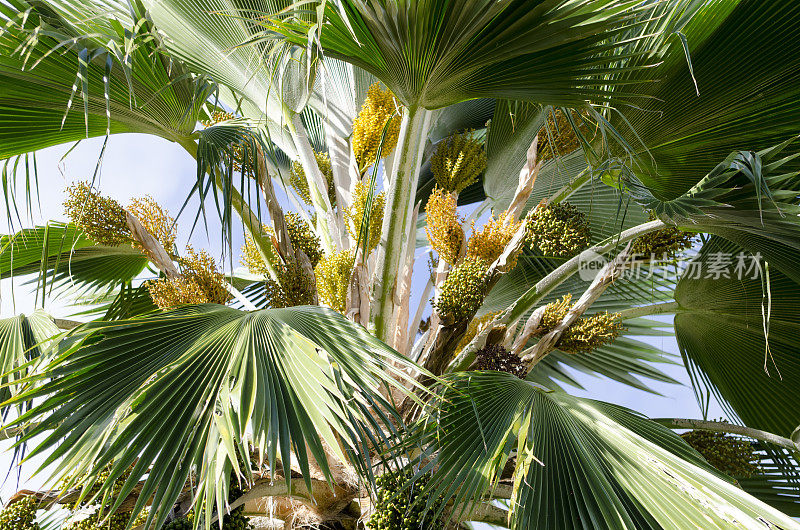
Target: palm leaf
x,y
54,56
579,463
294,379
63,257
21,339
696,114
550,51
720,329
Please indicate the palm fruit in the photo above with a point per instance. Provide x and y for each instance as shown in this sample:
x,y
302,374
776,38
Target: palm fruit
x,y
462,292
558,138
182,523
235,520
101,521
303,237
558,230
155,220
731,455
664,244
584,335
458,161
354,215
379,106
298,181
293,288
200,283
20,516
443,227
102,219
333,279
490,242
401,505
495,357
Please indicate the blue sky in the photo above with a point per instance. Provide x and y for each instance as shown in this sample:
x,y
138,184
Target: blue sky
x,y
135,165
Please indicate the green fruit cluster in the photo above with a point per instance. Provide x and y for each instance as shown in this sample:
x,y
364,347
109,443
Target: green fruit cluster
x,y
495,357
20,516
664,244
178,524
731,455
295,287
585,334
402,505
303,238
462,291
558,230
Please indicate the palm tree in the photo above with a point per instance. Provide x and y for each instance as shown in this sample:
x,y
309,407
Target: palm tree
x,y
558,160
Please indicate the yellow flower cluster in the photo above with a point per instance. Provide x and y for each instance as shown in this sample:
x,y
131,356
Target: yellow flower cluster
x,y
558,138
584,335
379,106
155,220
666,243
200,283
102,219
354,215
293,288
558,230
490,242
476,325
216,117
443,226
333,279
300,235
462,292
298,181
458,161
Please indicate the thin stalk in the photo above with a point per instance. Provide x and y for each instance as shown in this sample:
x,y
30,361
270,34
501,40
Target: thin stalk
x,y
729,428
415,324
546,285
316,184
649,310
570,188
397,216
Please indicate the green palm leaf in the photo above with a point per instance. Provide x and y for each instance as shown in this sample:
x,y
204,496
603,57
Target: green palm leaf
x,y
186,387
693,117
44,54
63,257
21,339
579,463
720,328
437,53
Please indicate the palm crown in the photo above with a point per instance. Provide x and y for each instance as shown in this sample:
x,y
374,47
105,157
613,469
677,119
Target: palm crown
x,y
519,142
